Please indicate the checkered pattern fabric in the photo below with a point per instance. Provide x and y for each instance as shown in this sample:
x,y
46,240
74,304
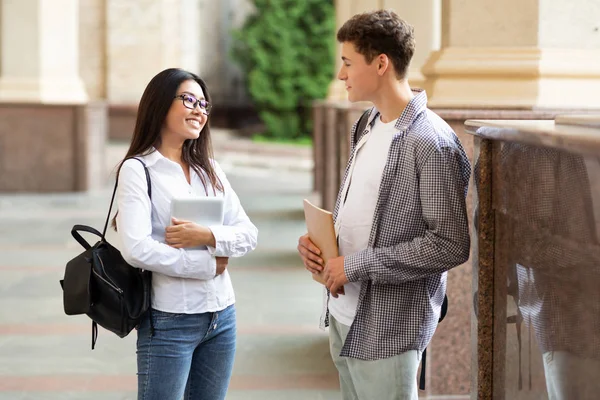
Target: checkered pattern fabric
x,y
548,244
419,232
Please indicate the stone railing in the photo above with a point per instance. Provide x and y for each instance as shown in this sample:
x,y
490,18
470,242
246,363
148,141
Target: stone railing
x,y
537,268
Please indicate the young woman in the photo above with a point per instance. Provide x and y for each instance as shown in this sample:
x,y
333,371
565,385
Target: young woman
x,y
188,347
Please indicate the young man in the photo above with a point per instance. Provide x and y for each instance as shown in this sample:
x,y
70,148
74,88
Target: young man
x,y
400,218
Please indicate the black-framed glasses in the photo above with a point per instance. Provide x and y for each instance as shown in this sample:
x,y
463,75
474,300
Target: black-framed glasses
x,y
191,102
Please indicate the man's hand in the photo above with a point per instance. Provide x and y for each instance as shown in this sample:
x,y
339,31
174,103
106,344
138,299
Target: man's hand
x,y
310,255
335,277
186,234
221,265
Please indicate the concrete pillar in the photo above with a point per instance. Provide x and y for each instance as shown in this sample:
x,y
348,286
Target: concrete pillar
x,y
143,38
524,54
40,52
92,47
426,18
51,138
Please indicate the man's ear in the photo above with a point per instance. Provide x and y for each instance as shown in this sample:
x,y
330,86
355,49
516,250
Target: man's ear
x,y
383,63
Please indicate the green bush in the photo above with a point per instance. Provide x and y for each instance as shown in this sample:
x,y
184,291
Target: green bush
x,y
287,51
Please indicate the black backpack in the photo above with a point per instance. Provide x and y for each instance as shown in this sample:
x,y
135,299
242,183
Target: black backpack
x,y
360,127
100,284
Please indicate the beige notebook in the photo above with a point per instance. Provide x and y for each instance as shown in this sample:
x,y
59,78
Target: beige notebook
x,y
321,232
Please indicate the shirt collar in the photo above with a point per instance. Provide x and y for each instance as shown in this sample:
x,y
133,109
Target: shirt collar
x,y
152,157
414,107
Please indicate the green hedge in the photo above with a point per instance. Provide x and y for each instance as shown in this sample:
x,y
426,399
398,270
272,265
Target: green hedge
x,y
287,52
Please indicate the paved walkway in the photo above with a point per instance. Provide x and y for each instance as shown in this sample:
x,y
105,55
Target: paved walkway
x,y
45,355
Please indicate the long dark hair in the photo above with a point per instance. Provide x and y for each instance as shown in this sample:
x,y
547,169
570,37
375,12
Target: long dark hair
x,y
152,112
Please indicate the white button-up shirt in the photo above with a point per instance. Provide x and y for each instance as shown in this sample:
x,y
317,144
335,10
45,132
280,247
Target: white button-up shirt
x,y
183,280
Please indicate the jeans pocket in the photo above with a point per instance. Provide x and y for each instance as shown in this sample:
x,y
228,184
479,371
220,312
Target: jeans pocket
x,y
160,318
228,313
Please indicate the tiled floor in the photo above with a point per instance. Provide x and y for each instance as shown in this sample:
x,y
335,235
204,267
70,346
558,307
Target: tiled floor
x,y
45,355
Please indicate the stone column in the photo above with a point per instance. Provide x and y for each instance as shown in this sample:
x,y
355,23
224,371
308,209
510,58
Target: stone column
x,y
427,21
145,37
51,139
92,47
517,54
40,52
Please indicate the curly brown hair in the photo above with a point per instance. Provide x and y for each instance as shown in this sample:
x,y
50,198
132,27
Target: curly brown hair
x,y
381,32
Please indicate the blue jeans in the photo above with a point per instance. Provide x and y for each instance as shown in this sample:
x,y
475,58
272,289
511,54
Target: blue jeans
x,y
190,356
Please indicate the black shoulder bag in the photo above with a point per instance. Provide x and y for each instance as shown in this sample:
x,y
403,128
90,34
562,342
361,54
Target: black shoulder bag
x,y
362,125
100,284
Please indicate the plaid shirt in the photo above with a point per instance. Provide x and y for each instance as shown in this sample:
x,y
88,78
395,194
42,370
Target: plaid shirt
x,y
419,232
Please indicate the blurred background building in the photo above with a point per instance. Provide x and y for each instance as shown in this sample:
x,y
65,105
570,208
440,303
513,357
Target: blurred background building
x,y
76,70
89,61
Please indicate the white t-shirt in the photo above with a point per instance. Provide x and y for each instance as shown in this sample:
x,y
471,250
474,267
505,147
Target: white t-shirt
x,y
355,217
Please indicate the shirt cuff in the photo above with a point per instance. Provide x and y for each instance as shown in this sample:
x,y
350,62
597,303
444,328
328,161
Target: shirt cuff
x,y
211,250
200,264
355,266
223,238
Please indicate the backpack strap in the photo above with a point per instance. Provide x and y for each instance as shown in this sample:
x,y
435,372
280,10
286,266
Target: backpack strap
x,y
362,125
444,310
443,313
112,200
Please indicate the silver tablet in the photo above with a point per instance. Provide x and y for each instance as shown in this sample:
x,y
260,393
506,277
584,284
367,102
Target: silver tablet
x,y
204,211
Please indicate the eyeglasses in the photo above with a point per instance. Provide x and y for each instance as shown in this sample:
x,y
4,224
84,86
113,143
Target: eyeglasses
x,y
191,102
